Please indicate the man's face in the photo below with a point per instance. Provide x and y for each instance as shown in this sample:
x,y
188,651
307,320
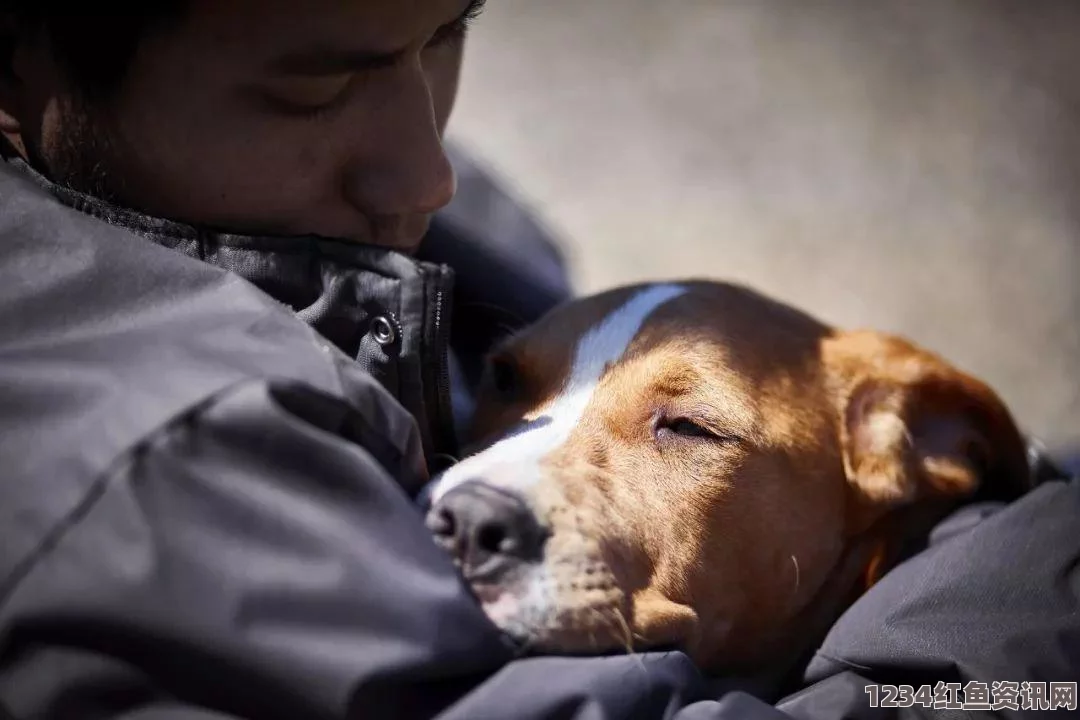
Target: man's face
x,y
276,116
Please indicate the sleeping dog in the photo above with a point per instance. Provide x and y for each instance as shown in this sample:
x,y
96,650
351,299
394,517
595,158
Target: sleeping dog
x,y
697,466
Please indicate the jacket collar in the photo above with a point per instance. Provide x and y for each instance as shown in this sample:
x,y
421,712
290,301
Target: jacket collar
x,y
387,311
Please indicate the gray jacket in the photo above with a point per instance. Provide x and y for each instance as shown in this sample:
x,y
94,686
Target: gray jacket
x,y
209,448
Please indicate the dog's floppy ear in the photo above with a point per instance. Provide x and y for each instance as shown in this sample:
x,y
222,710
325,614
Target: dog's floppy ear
x,y
913,427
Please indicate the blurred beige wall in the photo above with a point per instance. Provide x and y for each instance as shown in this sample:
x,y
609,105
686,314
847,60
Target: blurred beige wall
x,y
911,165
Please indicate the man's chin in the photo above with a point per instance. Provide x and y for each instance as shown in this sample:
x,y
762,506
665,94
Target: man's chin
x,y
409,248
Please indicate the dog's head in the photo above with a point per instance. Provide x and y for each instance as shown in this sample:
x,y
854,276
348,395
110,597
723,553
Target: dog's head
x,y
686,465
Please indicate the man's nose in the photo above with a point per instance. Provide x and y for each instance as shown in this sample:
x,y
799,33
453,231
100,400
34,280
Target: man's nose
x,y
404,169
488,530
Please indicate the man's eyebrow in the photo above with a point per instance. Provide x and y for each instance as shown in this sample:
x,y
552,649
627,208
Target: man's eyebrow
x,y
329,61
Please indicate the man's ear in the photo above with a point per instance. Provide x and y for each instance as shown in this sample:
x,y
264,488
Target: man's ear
x,y
913,427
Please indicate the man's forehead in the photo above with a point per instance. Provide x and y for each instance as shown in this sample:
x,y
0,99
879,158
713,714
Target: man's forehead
x,y
376,27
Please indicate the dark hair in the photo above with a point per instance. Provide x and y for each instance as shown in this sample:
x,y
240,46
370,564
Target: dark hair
x,y
94,42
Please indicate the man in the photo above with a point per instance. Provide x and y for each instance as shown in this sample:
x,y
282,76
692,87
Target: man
x,y
224,375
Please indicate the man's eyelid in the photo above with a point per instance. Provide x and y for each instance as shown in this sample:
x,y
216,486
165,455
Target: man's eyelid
x,y
471,12
458,26
319,64
446,33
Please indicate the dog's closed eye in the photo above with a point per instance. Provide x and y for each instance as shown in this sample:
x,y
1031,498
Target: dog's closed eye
x,y
686,428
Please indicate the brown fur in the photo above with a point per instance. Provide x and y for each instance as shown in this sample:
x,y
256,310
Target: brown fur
x,y
725,548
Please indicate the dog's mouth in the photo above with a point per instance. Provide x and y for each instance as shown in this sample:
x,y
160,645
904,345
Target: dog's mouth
x,y
516,605
564,603
536,568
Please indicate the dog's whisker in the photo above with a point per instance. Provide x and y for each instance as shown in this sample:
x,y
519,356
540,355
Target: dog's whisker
x,y
592,633
624,629
795,562
614,621
628,637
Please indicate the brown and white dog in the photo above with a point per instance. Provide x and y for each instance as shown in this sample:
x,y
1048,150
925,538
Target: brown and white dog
x,y
694,465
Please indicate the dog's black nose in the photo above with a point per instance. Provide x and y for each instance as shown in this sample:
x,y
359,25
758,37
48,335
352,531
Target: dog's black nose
x,y
488,530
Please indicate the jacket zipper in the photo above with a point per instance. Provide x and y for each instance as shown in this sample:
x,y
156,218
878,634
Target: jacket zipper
x,y
444,434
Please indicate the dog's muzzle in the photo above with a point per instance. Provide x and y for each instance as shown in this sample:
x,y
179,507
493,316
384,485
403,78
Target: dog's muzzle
x,y
488,531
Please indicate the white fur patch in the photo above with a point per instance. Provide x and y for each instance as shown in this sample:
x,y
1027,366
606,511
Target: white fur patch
x,y
513,462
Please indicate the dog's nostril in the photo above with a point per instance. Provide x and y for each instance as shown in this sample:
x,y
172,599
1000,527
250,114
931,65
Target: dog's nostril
x,y
494,539
441,522
487,529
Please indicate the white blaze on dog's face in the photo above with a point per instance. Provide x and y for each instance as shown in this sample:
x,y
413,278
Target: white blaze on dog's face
x,y
684,465
594,354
